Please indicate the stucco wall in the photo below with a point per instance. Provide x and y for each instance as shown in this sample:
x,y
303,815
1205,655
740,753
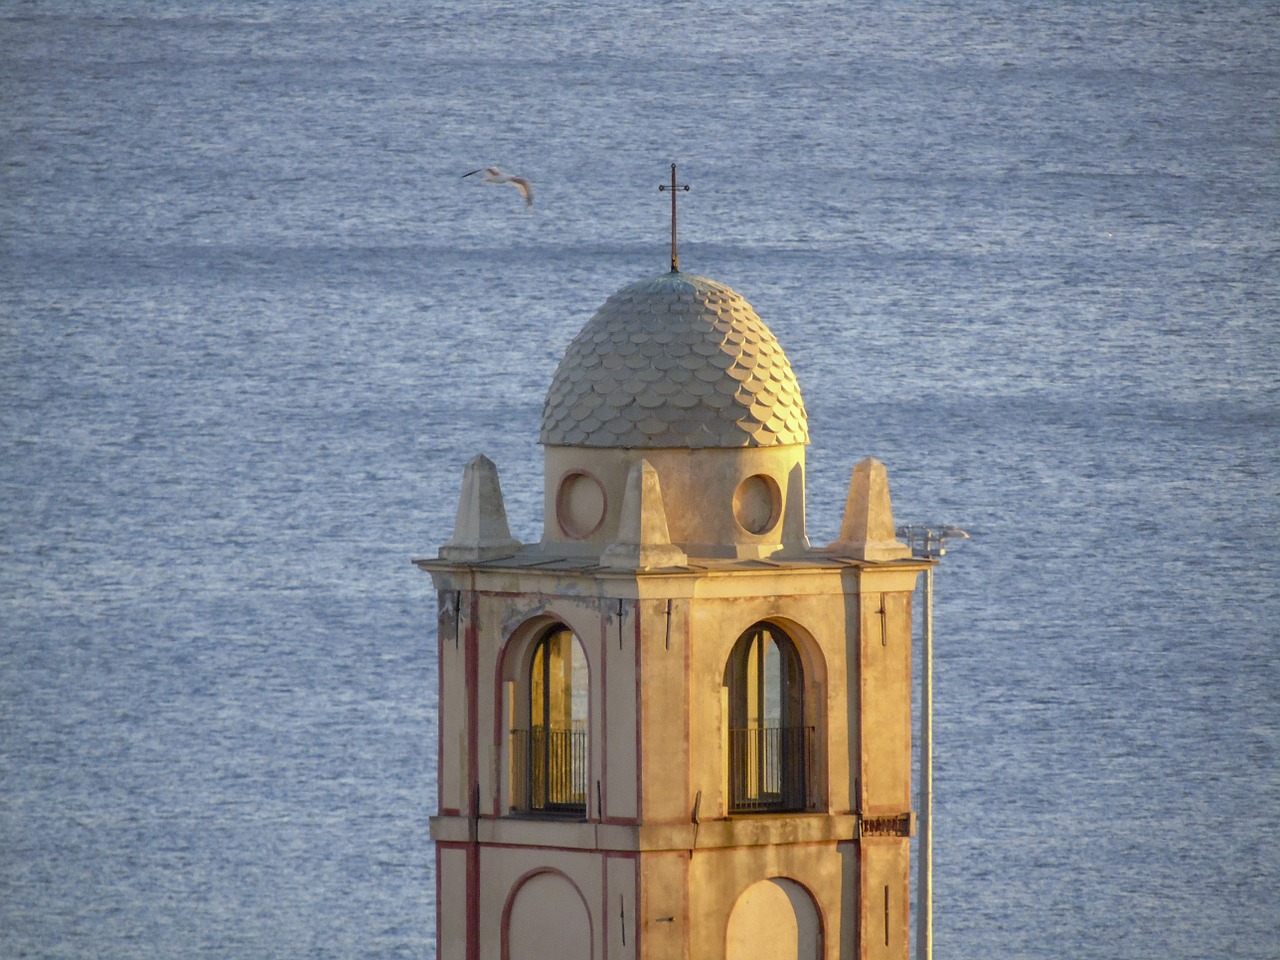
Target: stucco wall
x,y
698,492
658,865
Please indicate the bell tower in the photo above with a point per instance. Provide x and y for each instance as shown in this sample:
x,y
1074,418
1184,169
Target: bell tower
x,y
673,728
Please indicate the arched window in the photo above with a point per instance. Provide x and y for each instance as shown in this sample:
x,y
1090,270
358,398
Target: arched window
x,y
770,748
550,752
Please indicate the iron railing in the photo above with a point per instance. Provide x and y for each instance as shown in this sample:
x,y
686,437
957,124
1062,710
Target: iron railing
x,y
549,770
769,769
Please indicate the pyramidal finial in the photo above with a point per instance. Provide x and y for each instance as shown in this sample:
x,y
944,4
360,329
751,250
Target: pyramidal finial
x,y
643,539
481,530
867,530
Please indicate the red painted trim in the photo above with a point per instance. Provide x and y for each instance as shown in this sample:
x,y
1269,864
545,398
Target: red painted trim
x,y
688,719
439,845
492,845
636,882
604,904
604,721
470,648
619,821
439,760
639,695
596,851
500,733
440,681
687,911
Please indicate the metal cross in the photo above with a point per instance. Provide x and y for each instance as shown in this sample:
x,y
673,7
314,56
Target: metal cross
x,y
675,257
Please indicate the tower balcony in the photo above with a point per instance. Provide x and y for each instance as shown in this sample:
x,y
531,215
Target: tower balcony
x,y
549,770
769,769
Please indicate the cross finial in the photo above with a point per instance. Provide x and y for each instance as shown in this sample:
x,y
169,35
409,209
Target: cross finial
x,y
675,257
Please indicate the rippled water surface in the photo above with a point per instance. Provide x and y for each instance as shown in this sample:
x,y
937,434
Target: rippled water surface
x,y
253,323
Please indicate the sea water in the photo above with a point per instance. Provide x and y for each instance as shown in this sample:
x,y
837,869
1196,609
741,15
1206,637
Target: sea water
x,y
253,323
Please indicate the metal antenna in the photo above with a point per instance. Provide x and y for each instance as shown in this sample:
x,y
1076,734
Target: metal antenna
x,y
926,540
675,257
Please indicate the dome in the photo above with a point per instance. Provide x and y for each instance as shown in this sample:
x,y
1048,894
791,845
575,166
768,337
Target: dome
x,y
674,361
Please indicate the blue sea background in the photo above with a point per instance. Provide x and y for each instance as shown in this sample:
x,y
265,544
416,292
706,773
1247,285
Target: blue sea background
x,y
253,323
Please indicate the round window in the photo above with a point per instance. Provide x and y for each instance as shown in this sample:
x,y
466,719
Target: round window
x,y
757,504
580,504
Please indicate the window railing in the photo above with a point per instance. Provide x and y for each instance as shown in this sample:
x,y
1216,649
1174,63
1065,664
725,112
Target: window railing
x,y
769,769
549,770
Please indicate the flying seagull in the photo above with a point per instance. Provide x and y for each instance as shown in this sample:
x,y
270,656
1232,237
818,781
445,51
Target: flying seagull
x,y
494,175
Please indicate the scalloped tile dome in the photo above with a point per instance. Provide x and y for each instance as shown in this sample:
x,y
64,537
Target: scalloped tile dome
x,y
674,361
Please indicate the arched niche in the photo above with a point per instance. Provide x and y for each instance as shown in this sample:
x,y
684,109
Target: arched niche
x,y
774,918
546,918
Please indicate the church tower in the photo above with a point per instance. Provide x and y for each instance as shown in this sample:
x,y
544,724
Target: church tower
x,y
672,728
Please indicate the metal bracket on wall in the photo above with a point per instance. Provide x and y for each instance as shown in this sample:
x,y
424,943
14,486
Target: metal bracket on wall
x,y
697,820
451,608
894,825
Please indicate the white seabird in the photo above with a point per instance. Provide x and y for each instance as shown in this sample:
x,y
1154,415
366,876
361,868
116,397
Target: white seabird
x,y
494,175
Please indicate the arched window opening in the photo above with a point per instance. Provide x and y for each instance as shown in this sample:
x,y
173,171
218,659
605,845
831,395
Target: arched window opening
x,y
550,753
770,748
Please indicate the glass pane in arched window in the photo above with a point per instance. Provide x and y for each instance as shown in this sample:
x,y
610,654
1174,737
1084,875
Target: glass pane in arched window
x,y
553,754
769,745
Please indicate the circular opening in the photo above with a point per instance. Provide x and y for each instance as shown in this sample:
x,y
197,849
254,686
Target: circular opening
x,y
580,505
757,504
